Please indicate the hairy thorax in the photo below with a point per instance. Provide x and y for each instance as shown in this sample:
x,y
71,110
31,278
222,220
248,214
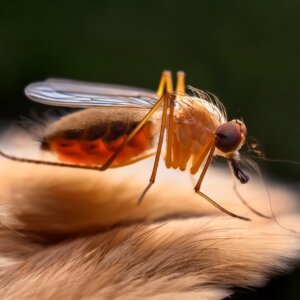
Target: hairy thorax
x,y
194,129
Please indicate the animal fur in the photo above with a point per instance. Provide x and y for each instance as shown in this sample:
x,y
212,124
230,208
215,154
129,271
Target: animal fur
x,y
74,234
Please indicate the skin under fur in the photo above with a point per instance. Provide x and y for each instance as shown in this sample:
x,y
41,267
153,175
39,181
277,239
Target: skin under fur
x,y
75,234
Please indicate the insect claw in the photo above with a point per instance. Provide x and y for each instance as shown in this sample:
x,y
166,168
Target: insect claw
x,y
144,192
221,208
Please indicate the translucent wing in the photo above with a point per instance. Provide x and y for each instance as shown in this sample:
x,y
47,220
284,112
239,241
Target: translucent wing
x,y
71,93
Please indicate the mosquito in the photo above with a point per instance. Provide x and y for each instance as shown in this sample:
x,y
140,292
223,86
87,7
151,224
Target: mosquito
x,y
119,126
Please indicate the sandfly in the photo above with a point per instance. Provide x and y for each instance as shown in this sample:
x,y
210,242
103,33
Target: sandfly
x,y
119,125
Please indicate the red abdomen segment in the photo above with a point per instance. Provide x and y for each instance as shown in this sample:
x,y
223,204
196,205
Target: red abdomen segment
x,y
97,152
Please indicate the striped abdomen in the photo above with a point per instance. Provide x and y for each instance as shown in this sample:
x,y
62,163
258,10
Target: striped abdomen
x,y
91,136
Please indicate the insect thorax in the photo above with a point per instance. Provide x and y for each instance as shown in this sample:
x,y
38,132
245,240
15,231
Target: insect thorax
x,y
194,129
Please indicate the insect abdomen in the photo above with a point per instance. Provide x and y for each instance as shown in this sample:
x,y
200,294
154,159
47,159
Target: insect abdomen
x,y
92,139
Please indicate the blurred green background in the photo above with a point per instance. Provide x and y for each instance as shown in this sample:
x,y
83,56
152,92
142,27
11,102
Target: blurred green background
x,y
246,52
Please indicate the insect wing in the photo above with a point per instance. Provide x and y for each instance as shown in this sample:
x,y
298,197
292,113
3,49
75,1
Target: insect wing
x,y
71,93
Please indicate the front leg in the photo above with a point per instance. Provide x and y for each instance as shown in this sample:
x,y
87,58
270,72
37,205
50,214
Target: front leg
x,y
159,147
200,180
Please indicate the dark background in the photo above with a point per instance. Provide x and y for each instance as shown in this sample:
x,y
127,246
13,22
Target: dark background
x,y
246,52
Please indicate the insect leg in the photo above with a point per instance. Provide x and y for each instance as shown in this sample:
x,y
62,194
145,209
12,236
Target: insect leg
x,y
170,132
244,201
173,148
159,146
211,149
199,159
134,160
180,88
184,155
180,85
132,134
221,207
175,152
58,164
47,163
198,185
165,83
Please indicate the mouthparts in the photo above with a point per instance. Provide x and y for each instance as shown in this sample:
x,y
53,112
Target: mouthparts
x,y
238,172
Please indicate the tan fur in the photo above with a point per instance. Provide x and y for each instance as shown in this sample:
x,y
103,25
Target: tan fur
x,y
68,234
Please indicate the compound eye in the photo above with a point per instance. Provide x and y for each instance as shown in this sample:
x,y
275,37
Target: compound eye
x,y
230,135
